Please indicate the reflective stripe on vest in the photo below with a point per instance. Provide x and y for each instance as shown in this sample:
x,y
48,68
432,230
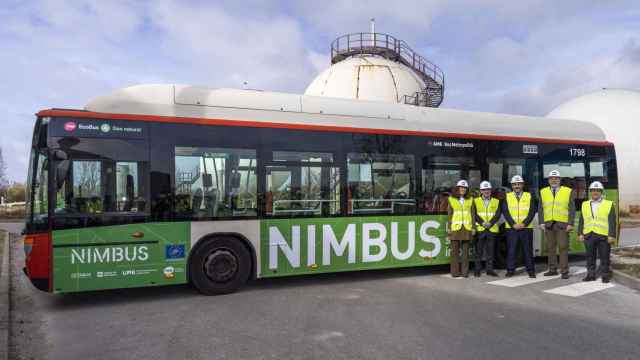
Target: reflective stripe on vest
x,y
599,223
461,214
556,208
487,213
519,210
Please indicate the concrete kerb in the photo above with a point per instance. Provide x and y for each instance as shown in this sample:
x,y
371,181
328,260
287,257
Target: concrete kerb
x,y
626,280
4,297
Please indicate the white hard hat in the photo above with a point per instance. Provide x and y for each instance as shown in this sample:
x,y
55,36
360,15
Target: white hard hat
x,y
485,185
554,173
517,179
596,185
462,183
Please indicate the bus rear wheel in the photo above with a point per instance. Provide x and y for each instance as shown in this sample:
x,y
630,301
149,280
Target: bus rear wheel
x,y
220,266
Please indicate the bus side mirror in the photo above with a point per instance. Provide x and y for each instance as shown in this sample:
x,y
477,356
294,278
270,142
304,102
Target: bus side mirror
x,y
61,173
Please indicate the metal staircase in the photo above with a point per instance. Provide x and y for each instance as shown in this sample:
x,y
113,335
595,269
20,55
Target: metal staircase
x,y
393,49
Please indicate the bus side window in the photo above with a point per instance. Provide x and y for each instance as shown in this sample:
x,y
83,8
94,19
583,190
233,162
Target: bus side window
x,y
440,174
215,182
302,184
381,184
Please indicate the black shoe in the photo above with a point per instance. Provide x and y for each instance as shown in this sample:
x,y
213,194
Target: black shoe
x,y
476,273
605,280
492,273
565,276
455,275
465,275
532,275
551,273
589,278
510,273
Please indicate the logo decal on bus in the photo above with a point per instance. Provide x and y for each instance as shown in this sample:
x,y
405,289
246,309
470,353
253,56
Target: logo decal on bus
x,y
360,244
69,126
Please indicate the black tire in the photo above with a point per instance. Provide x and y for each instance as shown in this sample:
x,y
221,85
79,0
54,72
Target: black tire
x,y
221,265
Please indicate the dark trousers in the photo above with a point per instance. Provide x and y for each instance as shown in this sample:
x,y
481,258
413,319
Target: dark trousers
x,y
523,237
485,244
597,244
459,267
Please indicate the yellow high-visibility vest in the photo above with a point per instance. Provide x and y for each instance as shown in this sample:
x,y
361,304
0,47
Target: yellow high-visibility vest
x,y
556,208
599,223
487,213
461,214
519,210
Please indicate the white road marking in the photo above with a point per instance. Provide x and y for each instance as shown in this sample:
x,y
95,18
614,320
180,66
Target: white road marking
x,y
579,289
521,280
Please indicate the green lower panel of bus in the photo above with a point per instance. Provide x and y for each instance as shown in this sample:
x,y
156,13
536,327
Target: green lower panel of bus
x,y
123,256
154,254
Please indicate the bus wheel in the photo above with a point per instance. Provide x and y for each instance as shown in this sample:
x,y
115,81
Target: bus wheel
x,y
220,266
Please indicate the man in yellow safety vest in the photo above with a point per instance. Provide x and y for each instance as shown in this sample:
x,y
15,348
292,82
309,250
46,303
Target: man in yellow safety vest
x,y
486,214
598,230
556,215
518,210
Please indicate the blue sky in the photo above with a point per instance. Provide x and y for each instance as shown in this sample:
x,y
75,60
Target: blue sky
x,y
523,57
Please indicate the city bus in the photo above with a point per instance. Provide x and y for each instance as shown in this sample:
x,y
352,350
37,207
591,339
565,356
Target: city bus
x,y
173,184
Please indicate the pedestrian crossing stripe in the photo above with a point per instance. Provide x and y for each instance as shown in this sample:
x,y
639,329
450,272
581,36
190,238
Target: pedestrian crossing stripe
x,y
522,280
579,289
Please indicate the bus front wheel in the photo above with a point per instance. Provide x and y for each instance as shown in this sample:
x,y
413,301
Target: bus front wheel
x,y
220,266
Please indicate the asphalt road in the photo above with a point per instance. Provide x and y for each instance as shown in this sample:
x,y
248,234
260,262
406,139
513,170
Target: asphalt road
x,y
398,314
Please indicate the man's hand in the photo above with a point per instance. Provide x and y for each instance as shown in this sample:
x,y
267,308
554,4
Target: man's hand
x,y
519,226
569,227
581,238
542,227
611,240
486,225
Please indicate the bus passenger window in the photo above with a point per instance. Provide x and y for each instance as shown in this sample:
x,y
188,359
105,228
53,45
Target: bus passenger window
x,y
439,177
215,182
87,191
302,184
102,186
380,184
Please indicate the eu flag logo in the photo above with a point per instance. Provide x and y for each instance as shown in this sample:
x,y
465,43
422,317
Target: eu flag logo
x,y
174,251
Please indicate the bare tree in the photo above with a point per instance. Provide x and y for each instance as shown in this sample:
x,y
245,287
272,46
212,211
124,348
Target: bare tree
x,y
4,182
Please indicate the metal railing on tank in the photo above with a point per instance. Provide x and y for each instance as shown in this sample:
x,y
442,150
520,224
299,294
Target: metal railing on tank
x,y
394,49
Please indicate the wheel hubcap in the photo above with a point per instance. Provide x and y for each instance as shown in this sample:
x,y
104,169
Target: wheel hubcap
x,y
221,265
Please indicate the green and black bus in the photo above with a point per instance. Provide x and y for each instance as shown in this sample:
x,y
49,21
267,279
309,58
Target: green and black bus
x,y
167,184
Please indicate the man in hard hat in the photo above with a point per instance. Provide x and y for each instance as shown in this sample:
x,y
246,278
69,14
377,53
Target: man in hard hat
x,y
460,228
556,215
597,228
518,209
486,213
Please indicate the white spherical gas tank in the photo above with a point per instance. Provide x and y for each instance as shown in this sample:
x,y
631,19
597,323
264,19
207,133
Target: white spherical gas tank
x,y
616,112
366,77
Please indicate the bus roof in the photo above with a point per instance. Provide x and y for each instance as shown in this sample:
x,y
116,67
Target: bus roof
x,y
272,109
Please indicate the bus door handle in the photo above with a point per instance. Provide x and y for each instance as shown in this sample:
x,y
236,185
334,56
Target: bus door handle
x,y
137,234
